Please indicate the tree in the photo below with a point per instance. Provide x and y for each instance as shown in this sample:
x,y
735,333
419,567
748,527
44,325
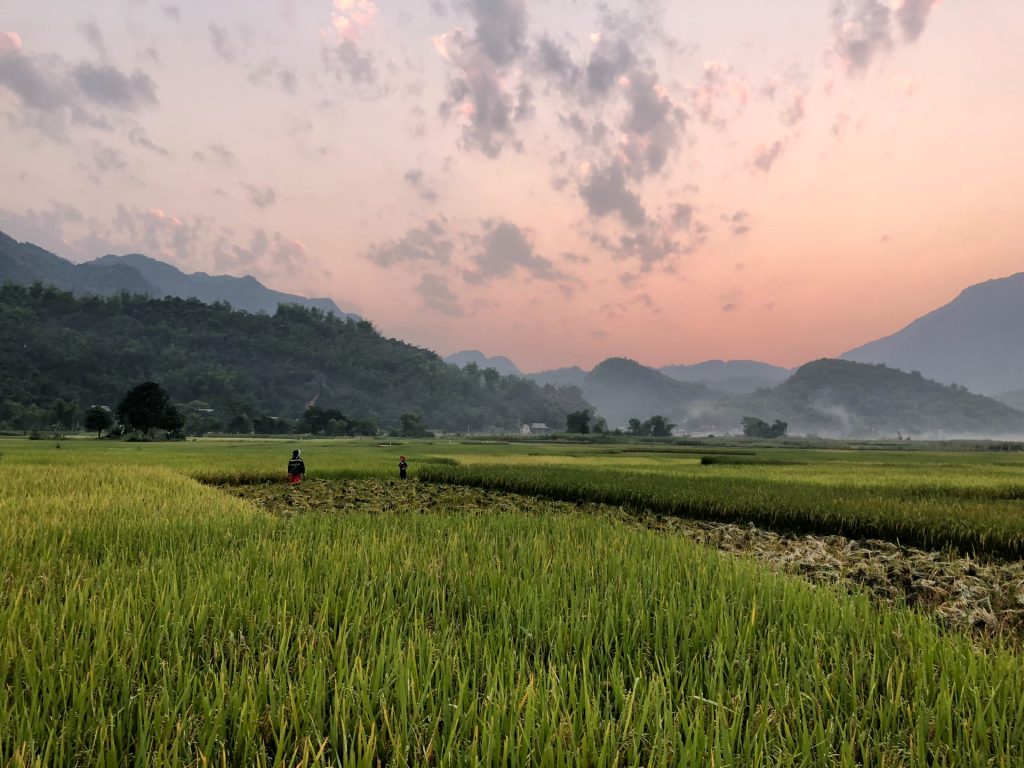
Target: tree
x,y
172,421
412,425
578,422
658,426
63,413
98,419
636,427
754,427
144,407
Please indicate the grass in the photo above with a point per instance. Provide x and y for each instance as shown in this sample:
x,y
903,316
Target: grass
x,y
147,619
974,508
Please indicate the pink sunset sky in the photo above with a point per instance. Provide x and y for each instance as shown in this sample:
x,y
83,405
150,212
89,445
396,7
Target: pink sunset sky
x,y
558,181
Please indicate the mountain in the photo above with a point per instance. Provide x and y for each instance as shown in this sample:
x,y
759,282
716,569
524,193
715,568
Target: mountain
x,y
91,350
24,264
976,340
843,398
560,377
735,376
622,389
1013,399
502,365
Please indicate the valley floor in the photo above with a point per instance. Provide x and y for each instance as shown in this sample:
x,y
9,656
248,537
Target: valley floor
x,y
149,617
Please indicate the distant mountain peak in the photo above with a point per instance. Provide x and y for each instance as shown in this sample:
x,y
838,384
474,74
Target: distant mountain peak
x,y
976,340
500,363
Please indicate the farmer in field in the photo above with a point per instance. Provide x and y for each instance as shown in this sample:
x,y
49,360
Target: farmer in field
x,y
296,468
403,468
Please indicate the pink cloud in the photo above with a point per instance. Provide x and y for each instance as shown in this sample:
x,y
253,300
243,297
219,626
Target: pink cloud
x,y
350,17
10,42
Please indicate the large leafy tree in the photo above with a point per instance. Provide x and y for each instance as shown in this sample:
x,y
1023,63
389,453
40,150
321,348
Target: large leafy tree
x,y
145,407
98,419
578,422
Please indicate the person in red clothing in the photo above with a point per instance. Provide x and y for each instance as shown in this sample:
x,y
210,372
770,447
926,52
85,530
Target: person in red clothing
x,y
296,468
403,468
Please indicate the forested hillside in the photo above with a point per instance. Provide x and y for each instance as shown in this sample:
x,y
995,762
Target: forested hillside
x,y
838,397
57,348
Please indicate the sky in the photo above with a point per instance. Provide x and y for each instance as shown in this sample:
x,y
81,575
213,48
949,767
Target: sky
x,y
558,181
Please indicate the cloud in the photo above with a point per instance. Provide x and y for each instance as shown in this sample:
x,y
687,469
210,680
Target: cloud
x,y
429,243
10,42
271,254
348,63
52,94
604,192
221,44
108,159
217,152
477,96
350,17
108,86
793,110
862,31
739,222
155,233
36,81
477,91
609,61
137,138
342,54
47,228
682,216
500,28
172,12
271,72
575,258
653,126
93,36
720,96
416,179
438,295
766,154
554,61
502,250
261,197
912,16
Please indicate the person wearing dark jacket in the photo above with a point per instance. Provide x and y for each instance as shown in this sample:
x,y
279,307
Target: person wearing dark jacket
x,y
296,468
403,468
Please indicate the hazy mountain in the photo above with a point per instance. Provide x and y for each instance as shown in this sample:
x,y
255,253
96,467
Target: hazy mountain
x,y
502,365
843,398
24,264
245,293
977,340
91,350
1013,399
560,377
736,376
622,389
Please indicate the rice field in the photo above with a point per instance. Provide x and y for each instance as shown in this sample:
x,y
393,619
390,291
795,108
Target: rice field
x,y
148,617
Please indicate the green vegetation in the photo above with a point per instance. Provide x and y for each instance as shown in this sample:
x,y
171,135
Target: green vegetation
x,y
971,508
146,618
248,369
755,427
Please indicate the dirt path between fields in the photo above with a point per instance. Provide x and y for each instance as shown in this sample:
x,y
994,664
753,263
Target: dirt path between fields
x,y
984,598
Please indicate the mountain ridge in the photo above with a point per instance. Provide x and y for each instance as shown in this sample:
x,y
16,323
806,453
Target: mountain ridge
x,y
25,263
976,340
